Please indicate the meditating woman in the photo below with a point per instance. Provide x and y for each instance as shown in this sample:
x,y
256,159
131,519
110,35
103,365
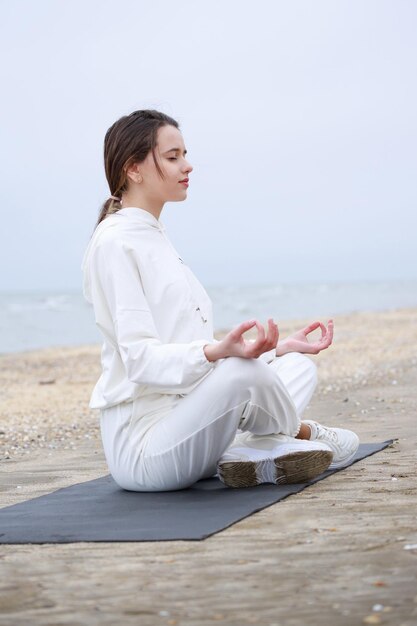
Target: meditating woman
x,y
176,404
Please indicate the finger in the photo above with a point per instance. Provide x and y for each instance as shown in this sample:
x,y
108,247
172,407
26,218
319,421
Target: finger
x,y
272,335
327,338
331,330
326,330
261,333
325,343
242,328
311,327
264,343
330,327
276,334
256,347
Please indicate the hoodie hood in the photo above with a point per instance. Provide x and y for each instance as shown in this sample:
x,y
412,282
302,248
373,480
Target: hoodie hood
x,y
128,218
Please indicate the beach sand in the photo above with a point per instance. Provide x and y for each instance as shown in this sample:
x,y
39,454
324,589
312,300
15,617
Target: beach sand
x,y
338,553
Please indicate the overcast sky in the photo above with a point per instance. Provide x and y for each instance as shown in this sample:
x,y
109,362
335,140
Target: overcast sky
x,y
299,118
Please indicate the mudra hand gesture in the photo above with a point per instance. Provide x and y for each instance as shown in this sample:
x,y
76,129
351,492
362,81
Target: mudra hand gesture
x,y
233,344
298,342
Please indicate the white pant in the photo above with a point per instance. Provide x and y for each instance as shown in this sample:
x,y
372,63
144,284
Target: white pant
x,y
184,445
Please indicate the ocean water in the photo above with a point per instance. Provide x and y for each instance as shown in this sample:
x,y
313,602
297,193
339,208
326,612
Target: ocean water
x,y
33,320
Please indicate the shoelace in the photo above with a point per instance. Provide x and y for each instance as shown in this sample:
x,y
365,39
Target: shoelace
x,y
326,433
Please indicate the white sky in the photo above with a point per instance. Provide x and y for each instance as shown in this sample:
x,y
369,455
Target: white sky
x,y
299,119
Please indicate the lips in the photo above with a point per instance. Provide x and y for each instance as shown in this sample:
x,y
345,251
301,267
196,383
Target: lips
x,y
184,181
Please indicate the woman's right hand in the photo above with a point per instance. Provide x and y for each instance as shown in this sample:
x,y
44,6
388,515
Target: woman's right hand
x,y
233,344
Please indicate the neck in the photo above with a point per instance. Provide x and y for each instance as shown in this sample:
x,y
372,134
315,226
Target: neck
x,y
153,205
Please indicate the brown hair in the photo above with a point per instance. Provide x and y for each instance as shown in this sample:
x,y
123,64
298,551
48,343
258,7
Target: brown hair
x,y
129,140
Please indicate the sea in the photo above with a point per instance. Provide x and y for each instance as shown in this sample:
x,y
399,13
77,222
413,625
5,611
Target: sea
x,y
32,320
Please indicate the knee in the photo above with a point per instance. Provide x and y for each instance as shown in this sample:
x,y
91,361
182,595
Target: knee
x,y
245,372
304,364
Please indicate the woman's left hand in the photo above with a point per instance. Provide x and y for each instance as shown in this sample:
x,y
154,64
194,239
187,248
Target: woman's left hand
x,y
298,342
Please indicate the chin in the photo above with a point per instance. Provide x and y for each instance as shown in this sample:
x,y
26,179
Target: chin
x,y
180,197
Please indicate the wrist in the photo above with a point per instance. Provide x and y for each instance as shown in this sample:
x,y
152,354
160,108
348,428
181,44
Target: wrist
x,y
211,352
281,348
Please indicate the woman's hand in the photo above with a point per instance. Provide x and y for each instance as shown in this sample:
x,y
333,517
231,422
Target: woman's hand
x,y
233,343
299,342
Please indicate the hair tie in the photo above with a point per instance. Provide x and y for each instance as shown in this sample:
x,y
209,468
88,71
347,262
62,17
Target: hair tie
x,y
116,198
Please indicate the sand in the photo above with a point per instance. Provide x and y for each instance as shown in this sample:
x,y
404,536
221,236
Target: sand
x,y
340,552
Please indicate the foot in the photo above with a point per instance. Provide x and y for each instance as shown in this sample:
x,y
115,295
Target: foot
x,y
286,460
344,443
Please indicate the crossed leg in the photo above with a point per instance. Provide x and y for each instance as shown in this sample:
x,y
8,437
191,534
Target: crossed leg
x,y
240,400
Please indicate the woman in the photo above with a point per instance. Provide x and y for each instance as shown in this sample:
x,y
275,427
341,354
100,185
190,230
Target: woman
x,y
177,405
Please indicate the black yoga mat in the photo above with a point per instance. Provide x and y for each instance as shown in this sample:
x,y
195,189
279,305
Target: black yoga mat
x,y
99,510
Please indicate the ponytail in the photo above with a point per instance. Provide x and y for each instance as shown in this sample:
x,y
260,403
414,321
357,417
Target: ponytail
x,y
109,207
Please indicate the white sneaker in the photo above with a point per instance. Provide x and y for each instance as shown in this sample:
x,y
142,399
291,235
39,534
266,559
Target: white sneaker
x,y
280,460
343,442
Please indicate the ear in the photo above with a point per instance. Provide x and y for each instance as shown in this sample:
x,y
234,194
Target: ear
x,y
133,172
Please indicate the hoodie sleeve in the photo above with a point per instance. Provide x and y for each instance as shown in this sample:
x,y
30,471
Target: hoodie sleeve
x,y
147,361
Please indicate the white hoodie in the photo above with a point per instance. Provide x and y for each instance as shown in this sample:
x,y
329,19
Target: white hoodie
x,y
154,314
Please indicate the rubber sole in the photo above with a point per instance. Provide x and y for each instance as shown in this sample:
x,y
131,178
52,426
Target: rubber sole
x,y
294,467
343,462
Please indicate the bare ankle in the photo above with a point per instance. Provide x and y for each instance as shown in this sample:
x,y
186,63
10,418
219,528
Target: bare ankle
x,y
304,432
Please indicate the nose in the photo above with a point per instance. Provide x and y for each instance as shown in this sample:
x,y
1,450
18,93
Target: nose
x,y
188,167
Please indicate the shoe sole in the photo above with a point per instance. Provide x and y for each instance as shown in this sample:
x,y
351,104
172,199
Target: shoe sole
x,y
344,462
294,467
